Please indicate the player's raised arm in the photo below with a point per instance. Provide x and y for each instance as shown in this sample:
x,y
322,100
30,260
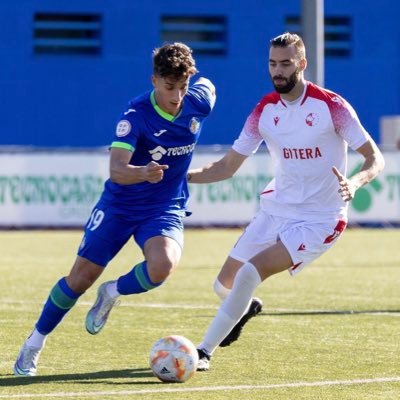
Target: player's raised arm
x,y
219,170
123,173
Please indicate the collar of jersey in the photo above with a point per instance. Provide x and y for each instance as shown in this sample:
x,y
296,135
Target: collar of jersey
x,y
160,112
299,101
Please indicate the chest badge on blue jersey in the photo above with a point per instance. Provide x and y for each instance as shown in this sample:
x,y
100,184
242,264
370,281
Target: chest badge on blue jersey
x,y
194,125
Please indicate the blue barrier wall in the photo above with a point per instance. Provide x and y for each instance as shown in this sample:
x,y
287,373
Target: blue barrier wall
x,y
74,100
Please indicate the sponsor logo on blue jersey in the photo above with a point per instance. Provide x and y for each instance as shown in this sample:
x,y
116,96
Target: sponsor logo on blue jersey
x,y
160,132
158,152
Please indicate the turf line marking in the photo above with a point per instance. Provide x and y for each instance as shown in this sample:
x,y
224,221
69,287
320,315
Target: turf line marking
x,y
270,312
207,389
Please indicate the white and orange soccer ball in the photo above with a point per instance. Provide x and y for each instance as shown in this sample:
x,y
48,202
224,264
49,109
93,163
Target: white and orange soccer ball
x,y
173,359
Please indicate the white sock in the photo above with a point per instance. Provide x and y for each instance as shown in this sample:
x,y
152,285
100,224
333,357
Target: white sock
x,y
112,290
36,339
220,290
223,292
233,307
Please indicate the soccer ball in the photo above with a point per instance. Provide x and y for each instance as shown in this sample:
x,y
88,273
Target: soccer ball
x,y
173,359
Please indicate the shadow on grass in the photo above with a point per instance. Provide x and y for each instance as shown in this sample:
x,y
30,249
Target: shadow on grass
x,y
330,312
90,377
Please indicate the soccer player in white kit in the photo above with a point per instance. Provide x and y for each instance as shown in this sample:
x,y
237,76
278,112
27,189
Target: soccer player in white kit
x,y
303,210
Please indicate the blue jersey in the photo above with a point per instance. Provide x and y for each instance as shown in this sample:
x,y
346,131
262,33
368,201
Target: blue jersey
x,y
153,135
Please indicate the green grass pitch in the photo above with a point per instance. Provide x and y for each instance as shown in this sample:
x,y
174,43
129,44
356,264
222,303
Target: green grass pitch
x,y
331,333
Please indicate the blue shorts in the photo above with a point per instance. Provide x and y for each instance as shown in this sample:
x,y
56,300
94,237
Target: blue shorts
x,y
107,231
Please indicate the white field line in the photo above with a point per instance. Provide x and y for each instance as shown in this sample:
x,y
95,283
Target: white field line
x,y
126,304
270,311
205,389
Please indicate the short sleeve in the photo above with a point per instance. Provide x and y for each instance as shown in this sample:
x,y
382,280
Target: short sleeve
x,y
347,123
126,131
203,93
250,138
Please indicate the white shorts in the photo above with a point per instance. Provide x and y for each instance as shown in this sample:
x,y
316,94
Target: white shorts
x,y
305,241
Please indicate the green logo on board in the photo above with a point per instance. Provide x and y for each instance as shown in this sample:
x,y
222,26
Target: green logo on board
x,y
363,198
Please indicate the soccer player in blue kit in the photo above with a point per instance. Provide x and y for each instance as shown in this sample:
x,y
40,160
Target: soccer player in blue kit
x,y
144,198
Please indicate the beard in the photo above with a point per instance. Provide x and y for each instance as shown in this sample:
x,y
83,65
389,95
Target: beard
x,y
290,82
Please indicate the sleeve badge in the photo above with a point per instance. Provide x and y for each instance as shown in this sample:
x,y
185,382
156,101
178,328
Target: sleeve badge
x,y
123,128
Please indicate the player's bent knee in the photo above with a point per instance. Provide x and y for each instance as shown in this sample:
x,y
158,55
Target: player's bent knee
x,y
159,272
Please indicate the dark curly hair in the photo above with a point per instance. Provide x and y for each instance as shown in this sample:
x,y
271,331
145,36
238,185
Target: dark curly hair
x,y
174,60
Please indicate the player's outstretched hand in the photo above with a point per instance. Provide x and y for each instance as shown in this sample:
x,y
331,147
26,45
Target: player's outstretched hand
x,y
154,172
347,188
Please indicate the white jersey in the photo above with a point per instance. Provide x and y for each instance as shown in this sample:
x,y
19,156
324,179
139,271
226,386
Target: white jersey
x,y
306,139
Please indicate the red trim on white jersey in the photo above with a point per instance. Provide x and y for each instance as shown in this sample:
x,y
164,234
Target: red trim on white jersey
x,y
337,105
306,139
251,125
